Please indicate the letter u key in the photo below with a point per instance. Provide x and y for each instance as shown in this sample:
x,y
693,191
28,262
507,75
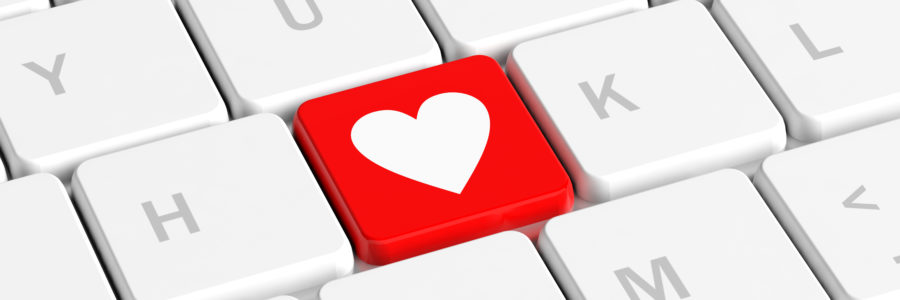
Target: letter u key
x,y
292,22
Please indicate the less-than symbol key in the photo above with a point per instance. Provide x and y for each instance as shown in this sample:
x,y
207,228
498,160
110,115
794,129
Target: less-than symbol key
x,y
851,201
810,47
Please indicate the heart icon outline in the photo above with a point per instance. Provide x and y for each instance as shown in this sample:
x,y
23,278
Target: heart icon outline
x,y
441,146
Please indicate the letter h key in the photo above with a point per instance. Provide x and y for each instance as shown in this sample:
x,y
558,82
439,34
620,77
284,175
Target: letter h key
x,y
183,213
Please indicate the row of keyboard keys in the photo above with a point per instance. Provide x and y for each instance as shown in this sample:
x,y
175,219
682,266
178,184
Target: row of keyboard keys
x,y
74,89
626,116
226,212
284,52
839,201
46,253
13,8
212,198
501,266
709,237
830,66
502,24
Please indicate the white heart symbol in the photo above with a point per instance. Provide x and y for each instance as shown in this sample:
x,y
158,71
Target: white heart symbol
x,y
440,148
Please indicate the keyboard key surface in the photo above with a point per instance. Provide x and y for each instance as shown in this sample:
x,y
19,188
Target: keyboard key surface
x,y
284,52
840,202
13,8
46,253
493,27
625,116
2,171
227,212
661,2
75,89
709,237
431,159
500,266
830,66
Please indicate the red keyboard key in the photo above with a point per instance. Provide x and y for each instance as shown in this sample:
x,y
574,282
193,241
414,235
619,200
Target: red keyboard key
x,y
431,159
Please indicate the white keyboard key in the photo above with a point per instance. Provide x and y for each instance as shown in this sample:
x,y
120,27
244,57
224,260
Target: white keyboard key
x,y
626,117
493,27
2,171
840,201
500,266
228,212
831,66
46,253
709,237
13,8
74,89
661,2
284,52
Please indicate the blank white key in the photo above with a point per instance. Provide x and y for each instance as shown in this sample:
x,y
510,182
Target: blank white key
x,y
74,89
13,8
831,66
626,116
500,266
2,171
284,52
840,201
493,27
661,2
228,212
46,253
709,237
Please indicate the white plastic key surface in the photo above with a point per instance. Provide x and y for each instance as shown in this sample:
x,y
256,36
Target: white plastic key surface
x,y
46,253
283,52
831,66
661,2
709,237
2,171
13,8
493,27
625,116
840,201
504,266
96,76
227,212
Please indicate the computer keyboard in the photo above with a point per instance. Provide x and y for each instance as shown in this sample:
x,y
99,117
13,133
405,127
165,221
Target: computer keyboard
x,y
449,149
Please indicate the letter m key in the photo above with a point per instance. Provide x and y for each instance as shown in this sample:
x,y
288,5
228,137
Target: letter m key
x,y
657,291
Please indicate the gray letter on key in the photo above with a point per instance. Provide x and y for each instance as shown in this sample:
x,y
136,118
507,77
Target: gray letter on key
x,y
599,102
810,47
657,291
52,76
184,213
292,22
